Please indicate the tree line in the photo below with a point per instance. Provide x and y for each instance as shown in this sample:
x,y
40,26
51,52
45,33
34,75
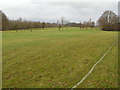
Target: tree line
x,y
65,23
22,24
108,21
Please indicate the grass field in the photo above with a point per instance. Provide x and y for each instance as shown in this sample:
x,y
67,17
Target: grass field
x,y
0,59
59,59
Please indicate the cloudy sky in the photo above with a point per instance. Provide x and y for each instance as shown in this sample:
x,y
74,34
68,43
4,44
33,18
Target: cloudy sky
x,y
52,10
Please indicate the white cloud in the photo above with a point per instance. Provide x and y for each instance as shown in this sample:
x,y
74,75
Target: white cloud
x,y
51,11
75,0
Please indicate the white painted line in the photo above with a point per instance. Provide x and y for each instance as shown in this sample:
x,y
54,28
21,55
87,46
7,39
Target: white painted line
x,y
94,66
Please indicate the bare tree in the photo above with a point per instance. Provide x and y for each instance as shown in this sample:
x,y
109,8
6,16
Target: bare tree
x,y
62,23
108,21
0,20
43,25
4,22
59,25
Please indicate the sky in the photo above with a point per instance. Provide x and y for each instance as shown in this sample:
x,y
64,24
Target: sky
x,y
53,10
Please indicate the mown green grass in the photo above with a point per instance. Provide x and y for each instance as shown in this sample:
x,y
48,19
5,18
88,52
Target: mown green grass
x,y
55,59
105,75
0,59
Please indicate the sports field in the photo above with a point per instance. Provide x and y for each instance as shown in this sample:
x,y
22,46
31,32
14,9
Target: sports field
x,y
59,59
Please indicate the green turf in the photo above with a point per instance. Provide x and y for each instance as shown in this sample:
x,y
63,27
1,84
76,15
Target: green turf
x,y
0,59
105,75
55,59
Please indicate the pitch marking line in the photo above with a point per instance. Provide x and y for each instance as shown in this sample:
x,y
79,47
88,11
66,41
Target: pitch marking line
x,y
94,66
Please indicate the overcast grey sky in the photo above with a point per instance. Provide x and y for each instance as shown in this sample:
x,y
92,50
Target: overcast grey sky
x,y
72,10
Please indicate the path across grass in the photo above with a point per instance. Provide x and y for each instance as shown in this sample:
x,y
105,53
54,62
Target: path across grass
x,y
56,59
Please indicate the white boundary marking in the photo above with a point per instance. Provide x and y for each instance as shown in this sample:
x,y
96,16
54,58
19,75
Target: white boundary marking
x,y
94,66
